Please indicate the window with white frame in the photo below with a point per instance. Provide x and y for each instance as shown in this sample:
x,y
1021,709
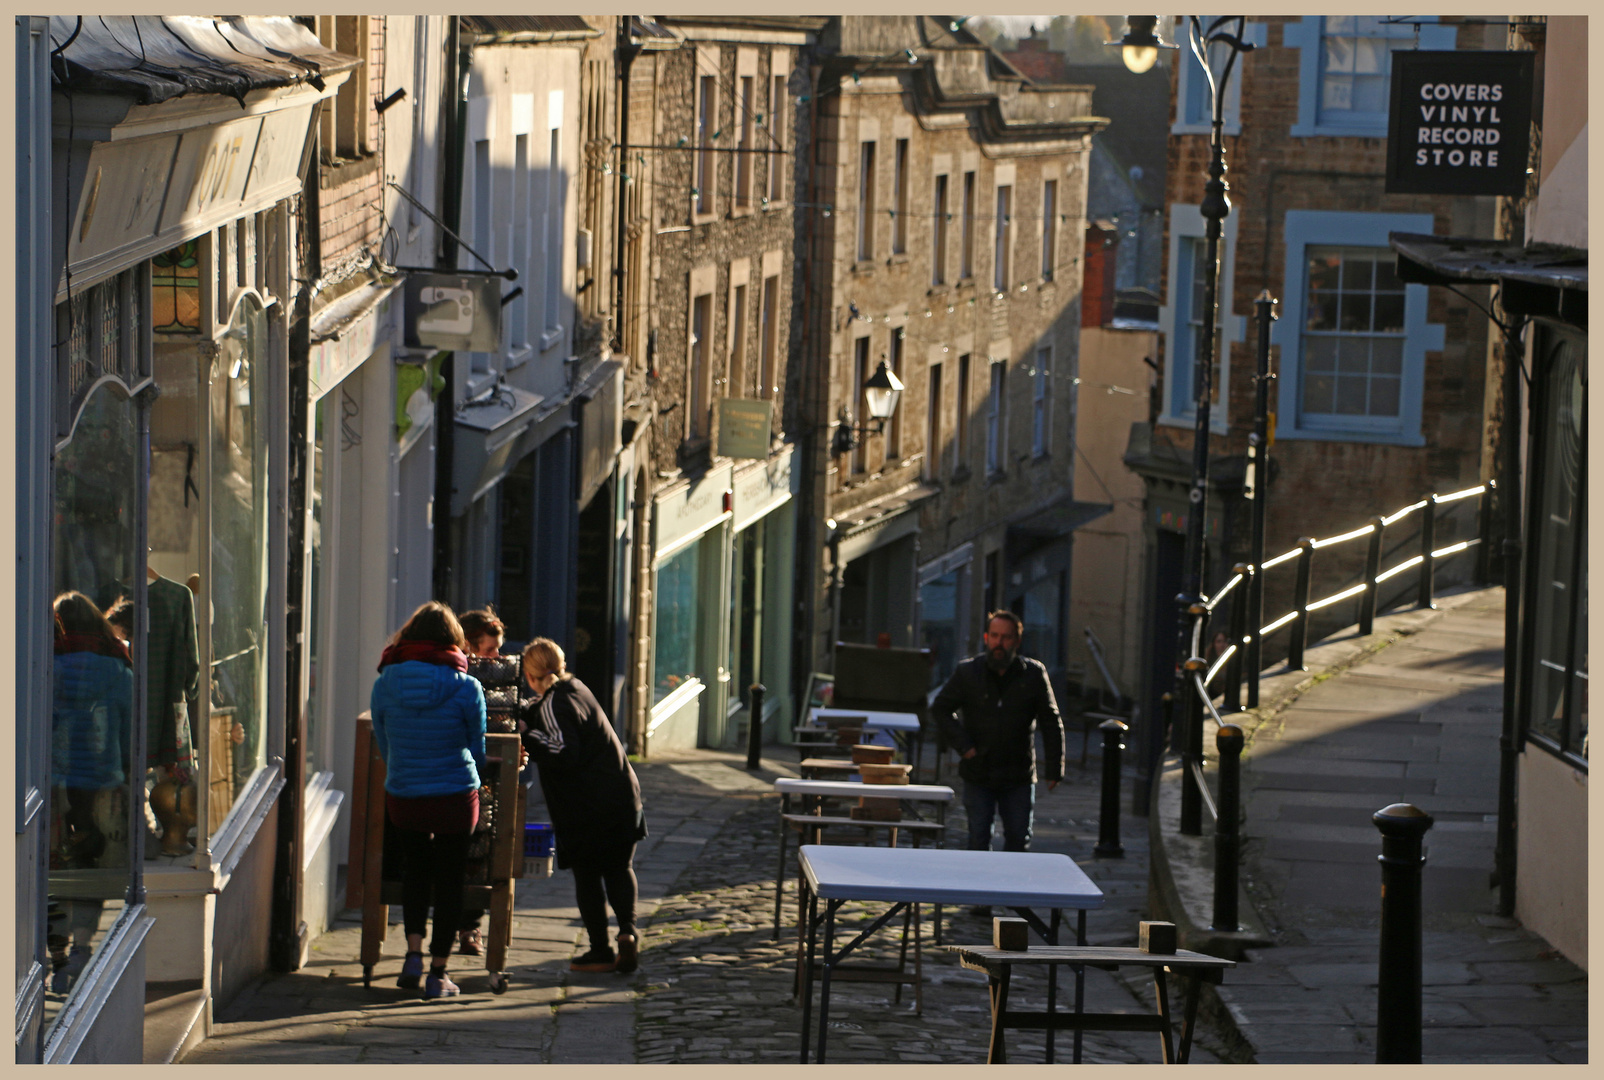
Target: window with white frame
x,y
1041,426
1181,318
1193,108
1345,68
1353,337
997,418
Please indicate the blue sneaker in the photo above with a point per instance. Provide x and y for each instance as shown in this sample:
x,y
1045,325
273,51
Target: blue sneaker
x,y
439,986
411,971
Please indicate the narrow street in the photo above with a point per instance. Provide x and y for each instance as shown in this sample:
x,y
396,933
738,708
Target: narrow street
x,y
713,985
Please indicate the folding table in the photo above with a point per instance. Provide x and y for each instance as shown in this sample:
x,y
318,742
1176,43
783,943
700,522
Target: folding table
x,y
903,727
1020,880
813,822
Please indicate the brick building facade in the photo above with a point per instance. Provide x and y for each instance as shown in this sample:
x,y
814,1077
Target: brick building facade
x,y
1379,394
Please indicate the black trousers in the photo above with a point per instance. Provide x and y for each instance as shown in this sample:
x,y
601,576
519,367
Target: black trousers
x,y
433,867
599,882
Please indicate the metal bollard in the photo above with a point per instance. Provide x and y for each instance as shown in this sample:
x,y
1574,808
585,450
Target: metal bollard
x,y
1300,604
1239,625
1428,541
1192,750
1228,741
1108,845
754,725
1367,601
1398,1009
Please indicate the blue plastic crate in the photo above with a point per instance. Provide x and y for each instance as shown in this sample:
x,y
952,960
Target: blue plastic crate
x,y
540,841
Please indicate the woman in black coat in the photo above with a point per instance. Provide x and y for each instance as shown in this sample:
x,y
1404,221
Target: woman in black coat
x,y
594,799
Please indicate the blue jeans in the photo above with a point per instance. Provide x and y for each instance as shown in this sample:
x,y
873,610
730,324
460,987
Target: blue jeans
x,y
1015,805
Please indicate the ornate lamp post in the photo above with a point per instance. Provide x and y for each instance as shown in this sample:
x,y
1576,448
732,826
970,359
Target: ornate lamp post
x,y
1138,48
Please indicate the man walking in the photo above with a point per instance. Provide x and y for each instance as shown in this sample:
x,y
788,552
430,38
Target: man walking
x,y
1004,698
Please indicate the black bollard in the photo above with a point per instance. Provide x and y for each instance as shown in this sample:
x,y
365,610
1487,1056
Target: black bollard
x,y
1192,750
1398,1010
1228,741
754,726
1108,845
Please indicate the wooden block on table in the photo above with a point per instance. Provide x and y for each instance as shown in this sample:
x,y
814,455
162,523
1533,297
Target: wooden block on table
x,y
870,754
884,774
1158,938
1011,934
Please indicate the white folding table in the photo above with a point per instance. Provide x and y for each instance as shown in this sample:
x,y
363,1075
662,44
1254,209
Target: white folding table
x,y
938,795
901,726
1020,880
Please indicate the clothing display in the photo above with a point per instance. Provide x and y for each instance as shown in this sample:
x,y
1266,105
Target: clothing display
x,y
172,676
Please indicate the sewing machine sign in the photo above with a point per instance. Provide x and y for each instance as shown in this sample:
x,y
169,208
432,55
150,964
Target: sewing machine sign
x,y
453,311
1460,123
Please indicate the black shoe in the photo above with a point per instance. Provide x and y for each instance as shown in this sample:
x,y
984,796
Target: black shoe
x,y
980,912
603,959
628,953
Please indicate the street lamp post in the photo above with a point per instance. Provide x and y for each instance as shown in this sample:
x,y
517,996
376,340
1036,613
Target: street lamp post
x,y
1140,38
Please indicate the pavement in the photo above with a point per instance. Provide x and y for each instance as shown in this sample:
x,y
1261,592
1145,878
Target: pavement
x,y
713,986
1412,714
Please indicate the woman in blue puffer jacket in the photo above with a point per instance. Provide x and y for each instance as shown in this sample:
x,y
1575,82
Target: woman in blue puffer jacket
x,y
429,724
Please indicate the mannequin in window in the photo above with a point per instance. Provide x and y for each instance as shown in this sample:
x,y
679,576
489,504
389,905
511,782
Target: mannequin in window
x,y
172,683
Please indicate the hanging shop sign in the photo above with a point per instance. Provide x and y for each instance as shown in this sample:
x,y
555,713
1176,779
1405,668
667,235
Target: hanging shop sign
x,y
1460,123
744,427
453,311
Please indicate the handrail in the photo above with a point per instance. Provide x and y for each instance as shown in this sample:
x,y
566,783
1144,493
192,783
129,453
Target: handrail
x,y
1224,591
1283,557
1203,789
1363,530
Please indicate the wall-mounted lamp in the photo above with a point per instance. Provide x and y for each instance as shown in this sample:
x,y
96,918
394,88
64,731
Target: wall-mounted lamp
x,y
882,392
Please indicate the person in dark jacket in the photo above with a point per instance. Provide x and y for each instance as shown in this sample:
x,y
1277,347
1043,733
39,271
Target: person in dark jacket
x,y
429,725
594,799
484,633
1004,698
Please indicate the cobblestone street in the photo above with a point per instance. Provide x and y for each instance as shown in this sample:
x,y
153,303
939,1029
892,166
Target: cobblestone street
x,y
714,986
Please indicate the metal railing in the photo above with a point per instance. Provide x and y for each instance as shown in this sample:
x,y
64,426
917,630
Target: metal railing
x,y
1225,676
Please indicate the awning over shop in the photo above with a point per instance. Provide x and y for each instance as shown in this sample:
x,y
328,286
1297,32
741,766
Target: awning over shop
x,y
1053,522
877,523
1535,279
488,430
153,58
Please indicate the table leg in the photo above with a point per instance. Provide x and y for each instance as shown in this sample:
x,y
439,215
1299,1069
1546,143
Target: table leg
x,y
1193,991
830,908
902,950
918,961
779,877
1052,983
998,984
807,915
1161,991
1080,981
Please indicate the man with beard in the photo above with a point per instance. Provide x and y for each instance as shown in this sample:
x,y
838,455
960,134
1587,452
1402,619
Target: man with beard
x,y
1004,697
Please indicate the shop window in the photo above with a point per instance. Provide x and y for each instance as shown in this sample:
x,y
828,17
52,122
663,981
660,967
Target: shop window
x,y
1353,337
175,289
101,361
941,621
675,634
747,580
1556,664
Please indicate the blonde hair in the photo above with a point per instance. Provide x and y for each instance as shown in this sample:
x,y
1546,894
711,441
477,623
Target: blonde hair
x,y
550,655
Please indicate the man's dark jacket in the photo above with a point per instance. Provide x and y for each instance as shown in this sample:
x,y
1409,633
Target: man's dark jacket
x,y
1000,717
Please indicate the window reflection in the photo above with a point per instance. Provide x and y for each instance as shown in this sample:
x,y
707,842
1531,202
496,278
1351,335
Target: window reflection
x,y
92,702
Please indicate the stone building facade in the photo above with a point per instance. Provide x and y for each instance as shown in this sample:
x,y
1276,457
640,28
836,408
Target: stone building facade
x,y
1379,390
946,200
714,122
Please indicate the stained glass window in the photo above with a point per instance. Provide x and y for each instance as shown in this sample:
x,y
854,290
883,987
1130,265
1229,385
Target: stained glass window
x,y
175,289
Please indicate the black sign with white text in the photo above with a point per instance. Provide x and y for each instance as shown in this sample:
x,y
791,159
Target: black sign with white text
x,y
1460,123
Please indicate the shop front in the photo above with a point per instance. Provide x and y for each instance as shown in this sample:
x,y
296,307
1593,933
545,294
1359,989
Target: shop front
x,y
161,767
689,653
761,587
